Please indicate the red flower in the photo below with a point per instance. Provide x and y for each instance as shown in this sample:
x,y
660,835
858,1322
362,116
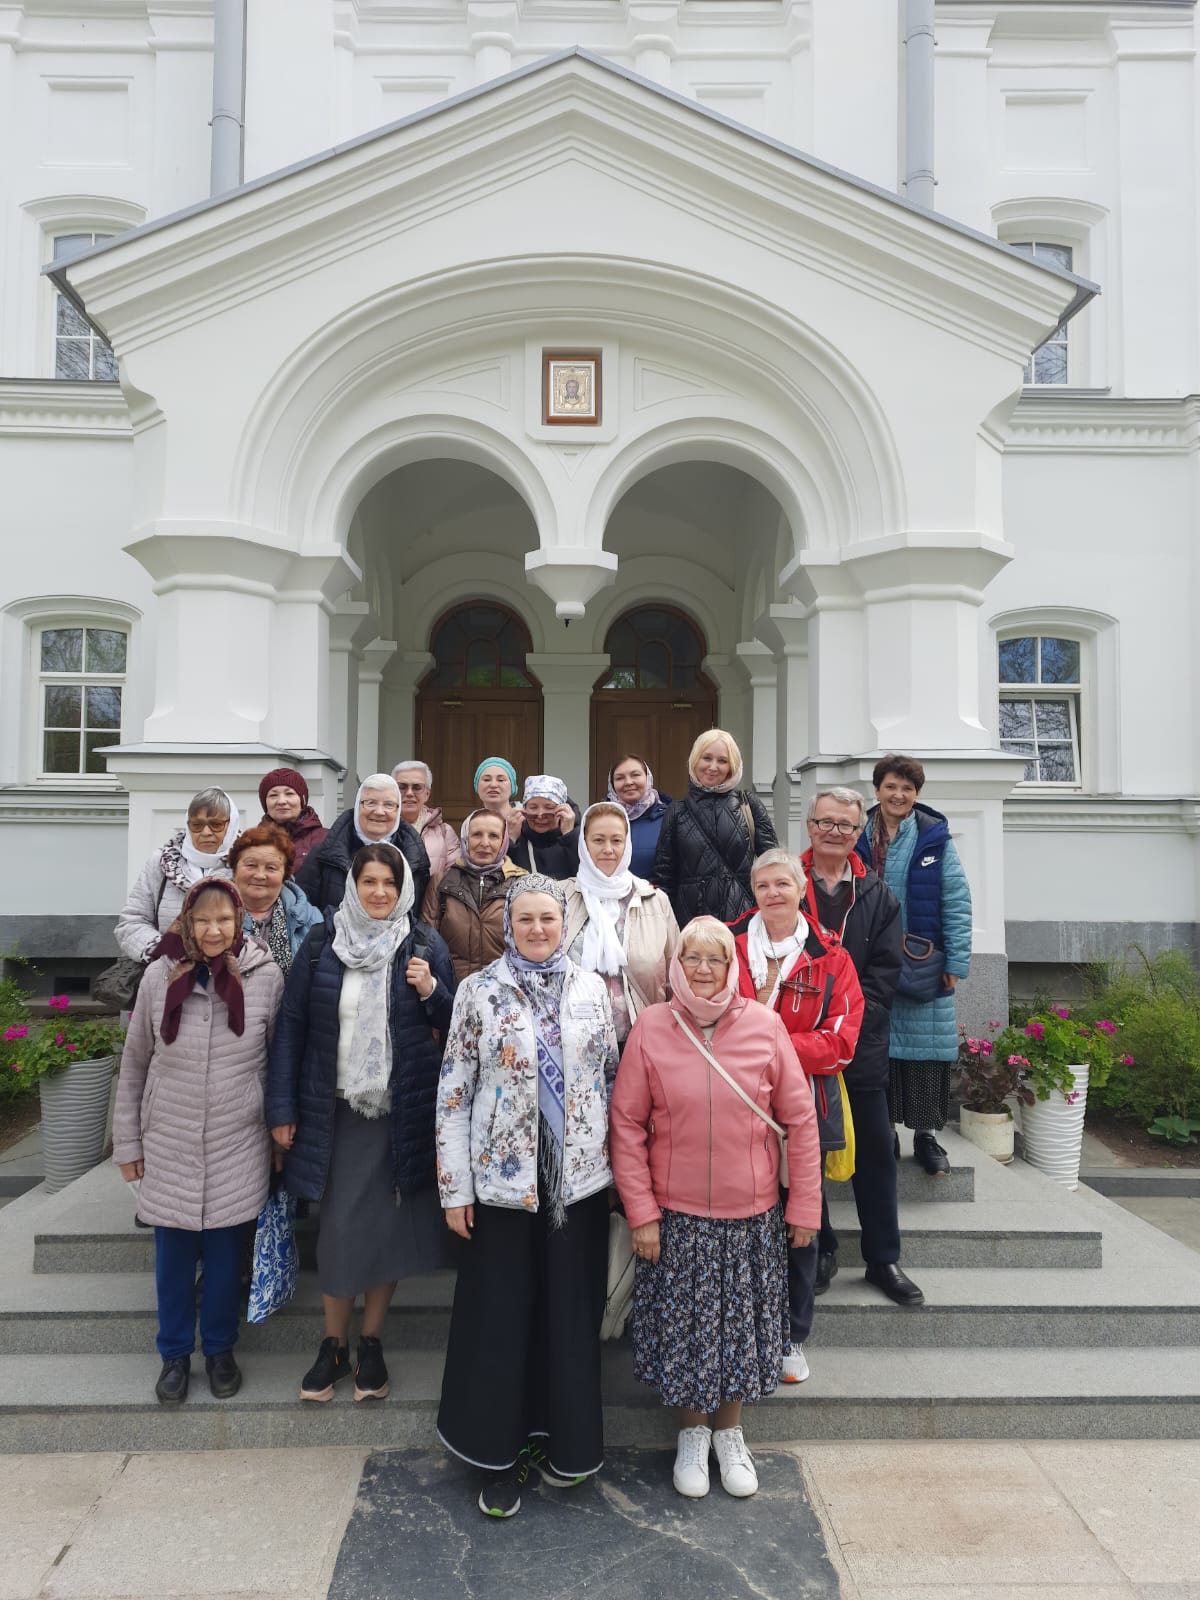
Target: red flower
x,y
1126,1061
59,1039
1062,1011
71,1047
1107,1026
14,1033
1035,1030
59,1002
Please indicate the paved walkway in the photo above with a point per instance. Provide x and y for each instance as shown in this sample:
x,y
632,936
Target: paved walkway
x,y
928,1521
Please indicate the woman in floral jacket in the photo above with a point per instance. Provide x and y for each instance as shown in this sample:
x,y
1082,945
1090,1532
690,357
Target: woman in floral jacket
x,y
523,1171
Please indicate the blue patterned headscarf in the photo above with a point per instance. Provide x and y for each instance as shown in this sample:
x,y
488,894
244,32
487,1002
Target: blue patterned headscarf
x,y
541,982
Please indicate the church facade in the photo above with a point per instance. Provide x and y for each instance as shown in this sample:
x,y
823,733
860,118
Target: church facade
x,y
569,375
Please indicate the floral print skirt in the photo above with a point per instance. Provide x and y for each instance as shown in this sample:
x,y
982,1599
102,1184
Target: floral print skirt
x,y
708,1317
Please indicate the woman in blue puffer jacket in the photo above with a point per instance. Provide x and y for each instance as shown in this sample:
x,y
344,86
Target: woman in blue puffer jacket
x,y
910,848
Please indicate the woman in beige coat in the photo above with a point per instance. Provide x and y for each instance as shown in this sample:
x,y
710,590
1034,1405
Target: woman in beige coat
x,y
617,924
189,1123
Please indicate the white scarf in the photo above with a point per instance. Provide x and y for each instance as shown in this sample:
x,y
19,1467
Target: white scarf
x,y
377,780
369,945
202,866
602,949
786,953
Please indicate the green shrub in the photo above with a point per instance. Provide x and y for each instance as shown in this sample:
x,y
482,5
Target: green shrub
x,y
1157,1002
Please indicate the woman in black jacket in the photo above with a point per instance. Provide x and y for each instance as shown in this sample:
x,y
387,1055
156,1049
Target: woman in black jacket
x,y
548,841
709,839
374,818
351,1086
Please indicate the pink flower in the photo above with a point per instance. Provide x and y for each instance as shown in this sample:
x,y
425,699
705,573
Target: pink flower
x,y
14,1066
985,1046
1126,1061
14,1033
71,1047
993,1024
1062,1011
59,1002
1072,1097
1035,1030
59,1038
1018,1061
1107,1027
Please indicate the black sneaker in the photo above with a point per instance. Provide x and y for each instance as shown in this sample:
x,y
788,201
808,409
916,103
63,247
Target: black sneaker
x,y
332,1364
536,1457
370,1374
827,1269
501,1496
224,1375
928,1153
172,1385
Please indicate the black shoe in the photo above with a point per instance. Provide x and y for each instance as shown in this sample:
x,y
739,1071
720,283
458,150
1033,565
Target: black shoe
x,y
224,1375
535,1457
888,1277
895,1144
370,1374
332,1363
172,1385
827,1269
930,1155
501,1497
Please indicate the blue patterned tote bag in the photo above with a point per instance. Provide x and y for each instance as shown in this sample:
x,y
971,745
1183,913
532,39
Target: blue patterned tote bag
x,y
273,1275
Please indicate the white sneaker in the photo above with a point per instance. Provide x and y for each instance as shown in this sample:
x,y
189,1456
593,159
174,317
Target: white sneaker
x,y
691,1462
794,1368
738,1476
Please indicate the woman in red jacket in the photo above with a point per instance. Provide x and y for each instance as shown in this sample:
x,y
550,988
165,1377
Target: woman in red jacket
x,y
814,988
697,1166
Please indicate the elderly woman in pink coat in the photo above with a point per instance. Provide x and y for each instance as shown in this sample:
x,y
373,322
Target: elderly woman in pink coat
x,y
189,1123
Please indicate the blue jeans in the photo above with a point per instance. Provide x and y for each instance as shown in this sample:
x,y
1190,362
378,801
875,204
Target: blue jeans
x,y
176,1252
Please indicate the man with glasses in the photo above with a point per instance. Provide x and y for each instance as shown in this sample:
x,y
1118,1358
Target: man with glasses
x,y
848,901
415,783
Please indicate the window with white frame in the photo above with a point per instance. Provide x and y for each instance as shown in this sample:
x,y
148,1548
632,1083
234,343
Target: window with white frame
x,y
1048,363
1040,690
81,683
79,351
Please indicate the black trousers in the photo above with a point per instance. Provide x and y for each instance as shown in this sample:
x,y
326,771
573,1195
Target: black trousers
x,y
523,1356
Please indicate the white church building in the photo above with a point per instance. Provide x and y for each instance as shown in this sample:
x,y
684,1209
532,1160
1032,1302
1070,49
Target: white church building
x,y
554,378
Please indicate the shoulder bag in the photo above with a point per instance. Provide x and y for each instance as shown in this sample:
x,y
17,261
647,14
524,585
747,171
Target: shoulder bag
x,y
118,985
922,965
780,1130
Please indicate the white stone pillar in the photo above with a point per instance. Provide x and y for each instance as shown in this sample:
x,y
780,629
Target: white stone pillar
x,y
733,683
182,99
492,24
567,715
290,110
374,659
784,629
963,109
652,56
764,679
398,705
350,626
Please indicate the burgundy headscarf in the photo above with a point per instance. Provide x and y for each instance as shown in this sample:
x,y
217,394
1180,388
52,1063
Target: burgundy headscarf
x,y
180,943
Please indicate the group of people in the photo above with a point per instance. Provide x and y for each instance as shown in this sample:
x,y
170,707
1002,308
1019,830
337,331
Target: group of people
x,y
470,1046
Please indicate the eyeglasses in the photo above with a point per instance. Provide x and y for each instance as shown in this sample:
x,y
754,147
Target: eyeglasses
x,y
412,788
696,962
388,807
827,826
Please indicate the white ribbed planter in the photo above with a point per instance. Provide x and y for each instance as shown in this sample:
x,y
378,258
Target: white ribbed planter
x,y
989,1131
75,1119
1052,1132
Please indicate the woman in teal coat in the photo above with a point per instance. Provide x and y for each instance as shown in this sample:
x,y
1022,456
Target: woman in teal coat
x,y
910,847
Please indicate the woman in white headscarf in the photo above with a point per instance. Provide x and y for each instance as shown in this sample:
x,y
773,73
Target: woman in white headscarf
x,y
350,1097
548,841
374,818
197,850
617,924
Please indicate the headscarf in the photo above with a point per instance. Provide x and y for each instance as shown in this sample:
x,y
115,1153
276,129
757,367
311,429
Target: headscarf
x,y
198,865
281,778
368,945
602,949
541,786
377,780
639,807
787,953
179,942
496,761
481,866
733,781
702,1010
541,983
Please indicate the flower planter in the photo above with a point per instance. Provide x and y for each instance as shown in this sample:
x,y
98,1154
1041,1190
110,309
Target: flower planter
x,y
75,1119
1052,1132
989,1131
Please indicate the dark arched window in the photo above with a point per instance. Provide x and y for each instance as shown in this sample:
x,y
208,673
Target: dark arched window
x,y
654,648
479,647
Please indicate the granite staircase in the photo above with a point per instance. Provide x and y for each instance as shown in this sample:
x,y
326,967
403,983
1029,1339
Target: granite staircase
x,y
1048,1315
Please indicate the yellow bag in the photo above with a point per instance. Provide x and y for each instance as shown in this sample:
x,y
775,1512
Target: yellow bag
x,y
839,1164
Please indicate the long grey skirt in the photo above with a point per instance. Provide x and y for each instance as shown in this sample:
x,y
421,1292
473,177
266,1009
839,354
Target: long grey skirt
x,y
367,1234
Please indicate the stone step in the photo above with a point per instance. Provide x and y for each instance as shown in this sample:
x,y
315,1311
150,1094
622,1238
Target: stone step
x,y
915,1185
61,1403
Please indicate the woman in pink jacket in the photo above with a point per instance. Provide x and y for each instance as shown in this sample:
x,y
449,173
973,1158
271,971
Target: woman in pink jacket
x,y
697,1166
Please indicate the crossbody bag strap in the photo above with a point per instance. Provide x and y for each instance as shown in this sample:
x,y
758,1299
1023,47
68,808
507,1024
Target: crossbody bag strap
x,y
732,1082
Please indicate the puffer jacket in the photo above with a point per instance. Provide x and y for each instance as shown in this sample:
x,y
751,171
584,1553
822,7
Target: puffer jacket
x,y
153,904
823,1018
487,1105
643,836
467,909
554,854
323,876
192,1110
302,1074
441,841
649,939
871,935
705,853
683,1140
298,914
929,1032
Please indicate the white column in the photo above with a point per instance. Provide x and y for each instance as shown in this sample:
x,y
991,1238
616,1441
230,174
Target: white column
x,y
761,671
733,684
289,82
962,111
350,626
374,659
491,42
784,629
652,56
398,704
567,715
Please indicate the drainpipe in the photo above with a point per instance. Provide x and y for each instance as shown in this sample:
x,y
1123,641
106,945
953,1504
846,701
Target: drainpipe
x,y
229,93
918,102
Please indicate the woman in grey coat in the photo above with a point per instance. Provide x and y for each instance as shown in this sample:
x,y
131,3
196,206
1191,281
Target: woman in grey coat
x,y
189,1123
197,850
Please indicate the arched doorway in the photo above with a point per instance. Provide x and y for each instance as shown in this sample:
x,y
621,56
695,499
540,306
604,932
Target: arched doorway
x,y
654,697
478,699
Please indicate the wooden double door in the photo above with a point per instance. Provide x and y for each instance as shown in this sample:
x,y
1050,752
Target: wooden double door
x,y
457,729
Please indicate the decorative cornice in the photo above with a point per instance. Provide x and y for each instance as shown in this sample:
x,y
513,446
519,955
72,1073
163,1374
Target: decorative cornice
x,y
1054,424
50,407
1092,814
109,806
